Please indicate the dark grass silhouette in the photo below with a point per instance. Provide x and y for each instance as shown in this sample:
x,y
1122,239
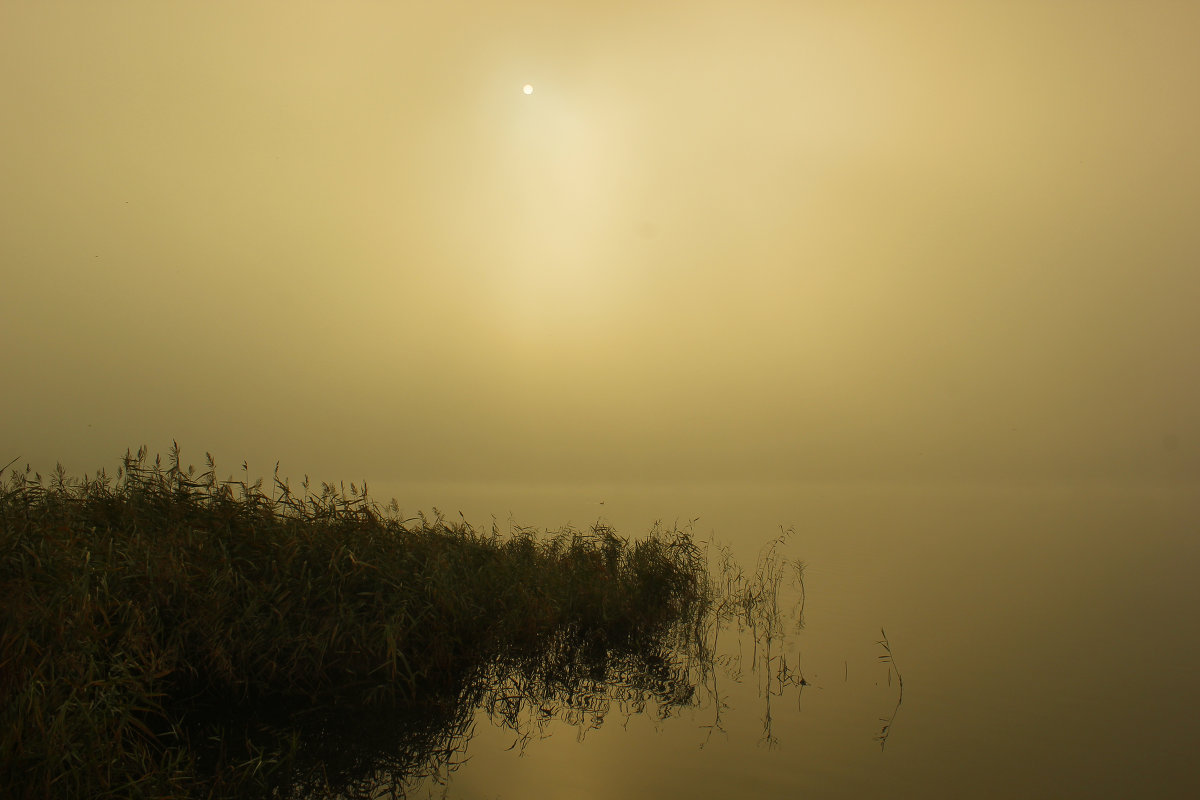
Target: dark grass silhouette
x,y
166,634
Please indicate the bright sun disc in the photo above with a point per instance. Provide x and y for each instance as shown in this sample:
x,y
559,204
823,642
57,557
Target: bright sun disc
x,y
527,89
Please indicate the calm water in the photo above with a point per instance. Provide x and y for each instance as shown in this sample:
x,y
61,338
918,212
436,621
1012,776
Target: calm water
x,y
1048,638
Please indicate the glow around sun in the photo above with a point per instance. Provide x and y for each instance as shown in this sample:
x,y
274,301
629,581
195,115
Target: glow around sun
x,y
527,88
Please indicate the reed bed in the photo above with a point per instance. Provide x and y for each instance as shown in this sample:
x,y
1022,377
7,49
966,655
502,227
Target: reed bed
x,y
162,632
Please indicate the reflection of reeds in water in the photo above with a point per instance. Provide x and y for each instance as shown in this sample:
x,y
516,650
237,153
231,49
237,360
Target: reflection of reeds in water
x,y
889,659
168,634
753,604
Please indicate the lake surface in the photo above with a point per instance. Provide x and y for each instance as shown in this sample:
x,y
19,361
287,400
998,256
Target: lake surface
x,y
1048,638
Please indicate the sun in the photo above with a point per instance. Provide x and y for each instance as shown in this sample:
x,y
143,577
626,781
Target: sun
x,y
527,88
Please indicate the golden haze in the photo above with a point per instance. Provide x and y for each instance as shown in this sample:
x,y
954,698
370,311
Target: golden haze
x,y
765,240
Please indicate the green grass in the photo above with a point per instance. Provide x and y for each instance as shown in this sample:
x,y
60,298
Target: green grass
x,y
166,634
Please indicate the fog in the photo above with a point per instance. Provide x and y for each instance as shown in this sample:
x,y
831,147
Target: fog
x,y
720,241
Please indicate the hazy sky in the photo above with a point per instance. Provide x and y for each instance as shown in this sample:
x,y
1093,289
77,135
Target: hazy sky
x,y
752,240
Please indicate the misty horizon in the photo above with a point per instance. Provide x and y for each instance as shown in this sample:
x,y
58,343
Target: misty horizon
x,y
755,243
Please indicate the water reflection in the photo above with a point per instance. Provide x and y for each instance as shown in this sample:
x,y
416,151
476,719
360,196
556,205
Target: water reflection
x,y
974,585
573,680
890,660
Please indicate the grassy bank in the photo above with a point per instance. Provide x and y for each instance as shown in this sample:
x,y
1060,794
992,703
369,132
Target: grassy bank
x,y
162,631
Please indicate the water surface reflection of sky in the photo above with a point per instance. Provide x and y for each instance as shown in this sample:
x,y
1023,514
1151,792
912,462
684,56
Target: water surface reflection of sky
x,y
1044,637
